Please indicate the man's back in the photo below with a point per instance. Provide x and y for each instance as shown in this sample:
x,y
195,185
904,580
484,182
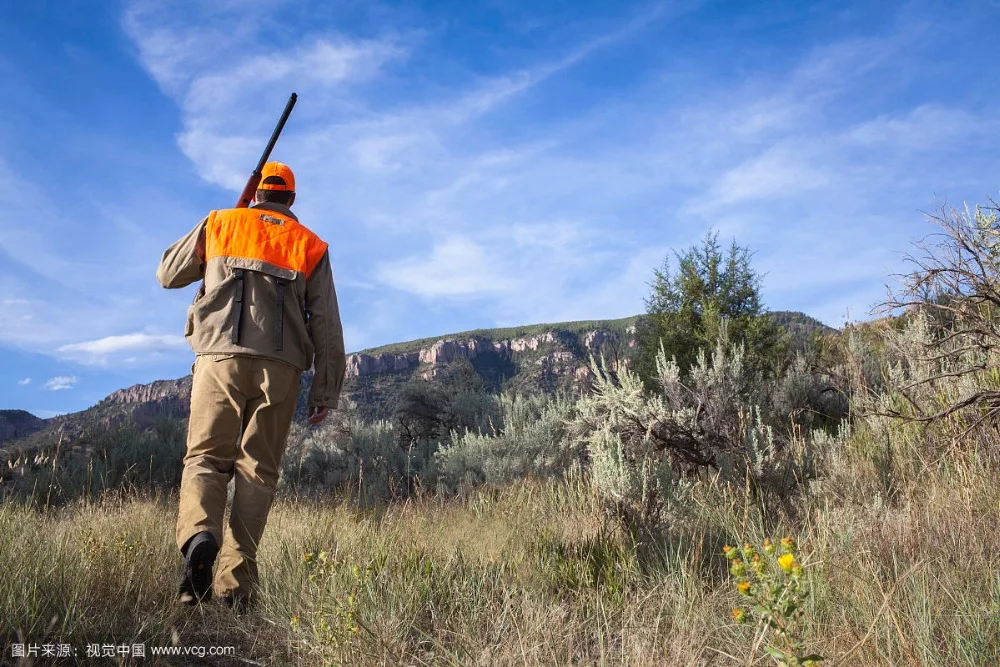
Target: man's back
x,y
268,291
266,311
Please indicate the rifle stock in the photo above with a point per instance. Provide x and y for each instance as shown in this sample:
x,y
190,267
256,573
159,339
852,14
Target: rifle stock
x,y
250,189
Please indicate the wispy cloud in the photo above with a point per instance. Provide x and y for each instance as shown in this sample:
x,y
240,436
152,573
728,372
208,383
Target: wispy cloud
x,y
73,293
779,172
447,196
100,351
60,382
455,267
927,128
24,382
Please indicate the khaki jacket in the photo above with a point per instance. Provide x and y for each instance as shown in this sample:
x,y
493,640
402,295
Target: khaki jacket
x,y
308,331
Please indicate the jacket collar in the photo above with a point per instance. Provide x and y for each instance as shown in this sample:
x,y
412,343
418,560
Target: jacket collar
x,y
277,208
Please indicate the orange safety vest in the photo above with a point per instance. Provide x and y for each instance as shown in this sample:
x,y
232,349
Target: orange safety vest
x,y
267,236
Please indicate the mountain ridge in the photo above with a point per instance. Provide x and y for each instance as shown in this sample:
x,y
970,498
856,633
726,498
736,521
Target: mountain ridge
x,y
537,357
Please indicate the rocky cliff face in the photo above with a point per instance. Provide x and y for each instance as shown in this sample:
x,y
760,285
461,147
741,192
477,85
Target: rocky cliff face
x,y
145,403
448,350
359,365
544,360
146,393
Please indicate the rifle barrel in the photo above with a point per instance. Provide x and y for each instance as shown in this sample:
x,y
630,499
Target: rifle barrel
x,y
248,190
277,131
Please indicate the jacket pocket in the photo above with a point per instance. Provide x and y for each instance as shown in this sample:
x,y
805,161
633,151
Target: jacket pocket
x,y
189,323
279,296
210,316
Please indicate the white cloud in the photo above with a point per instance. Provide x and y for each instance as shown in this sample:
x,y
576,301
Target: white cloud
x,y
60,382
501,88
926,128
777,173
455,267
72,292
325,62
379,153
226,85
24,382
98,352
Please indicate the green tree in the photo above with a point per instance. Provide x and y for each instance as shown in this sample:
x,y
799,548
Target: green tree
x,y
686,307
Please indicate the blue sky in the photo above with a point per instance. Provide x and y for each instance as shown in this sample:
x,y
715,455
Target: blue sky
x,y
472,164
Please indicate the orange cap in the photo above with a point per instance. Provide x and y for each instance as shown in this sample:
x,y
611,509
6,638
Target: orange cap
x,y
277,176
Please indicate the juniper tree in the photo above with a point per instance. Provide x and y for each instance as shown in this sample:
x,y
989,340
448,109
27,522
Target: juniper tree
x,y
686,306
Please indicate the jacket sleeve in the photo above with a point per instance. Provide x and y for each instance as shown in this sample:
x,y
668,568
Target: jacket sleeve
x,y
327,336
184,261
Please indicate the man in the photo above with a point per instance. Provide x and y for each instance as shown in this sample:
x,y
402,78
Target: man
x,y
266,310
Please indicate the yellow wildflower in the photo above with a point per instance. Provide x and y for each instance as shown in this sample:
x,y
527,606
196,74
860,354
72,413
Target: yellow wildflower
x,y
739,615
743,587
769,547
788,543
787,562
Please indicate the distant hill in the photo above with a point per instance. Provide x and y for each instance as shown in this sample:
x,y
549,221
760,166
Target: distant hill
x,y
799,325
16,424
532,358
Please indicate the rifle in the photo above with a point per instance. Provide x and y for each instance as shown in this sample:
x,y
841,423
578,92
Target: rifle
x,y
251,187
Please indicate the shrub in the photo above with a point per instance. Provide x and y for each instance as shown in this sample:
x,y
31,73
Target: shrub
x,y
527,440
809,399
945,357
122,456
349,453
454,400
645,447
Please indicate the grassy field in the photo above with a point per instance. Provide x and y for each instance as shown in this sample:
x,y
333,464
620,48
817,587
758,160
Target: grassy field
x,y
899,555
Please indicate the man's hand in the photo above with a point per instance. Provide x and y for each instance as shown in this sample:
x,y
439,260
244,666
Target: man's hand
x,y
317,415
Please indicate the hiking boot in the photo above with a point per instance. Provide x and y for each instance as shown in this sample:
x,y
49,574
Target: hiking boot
x,y
199,557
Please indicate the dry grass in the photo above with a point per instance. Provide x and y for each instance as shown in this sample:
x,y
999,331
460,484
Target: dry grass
x,y
533,573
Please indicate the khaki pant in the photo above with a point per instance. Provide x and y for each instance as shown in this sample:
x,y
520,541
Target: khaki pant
x,y
241,410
